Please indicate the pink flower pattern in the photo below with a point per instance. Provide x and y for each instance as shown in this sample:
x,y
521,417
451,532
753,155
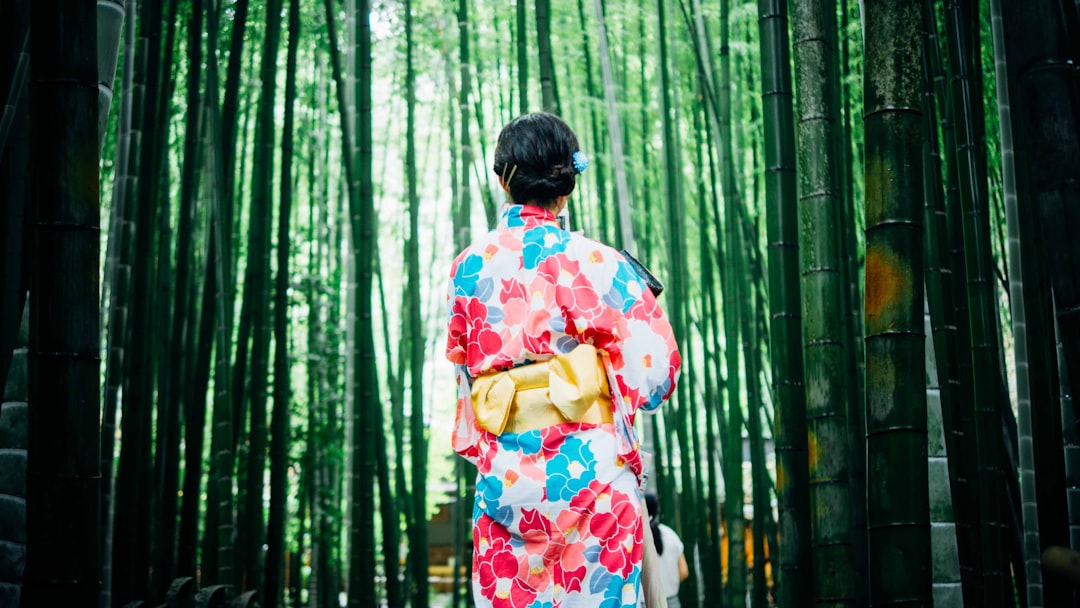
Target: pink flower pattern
x,y
557,516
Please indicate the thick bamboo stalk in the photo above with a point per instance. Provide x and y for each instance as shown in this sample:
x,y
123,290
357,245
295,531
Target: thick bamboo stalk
x,y
62,478
820,217
897,495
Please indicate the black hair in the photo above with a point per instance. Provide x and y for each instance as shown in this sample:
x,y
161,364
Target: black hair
x,y
535,154
653,504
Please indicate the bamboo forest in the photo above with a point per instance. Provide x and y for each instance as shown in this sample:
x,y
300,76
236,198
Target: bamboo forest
x,y
227,230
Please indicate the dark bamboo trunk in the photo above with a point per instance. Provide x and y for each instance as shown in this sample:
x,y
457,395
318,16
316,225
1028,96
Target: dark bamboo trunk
x,y
1045,95
166,472
258,279
898,515
1040,43
182,359
134,501
521,36
362,591
230,106
820,225
786,353
418,534
549,90
966,97
63,477
279,418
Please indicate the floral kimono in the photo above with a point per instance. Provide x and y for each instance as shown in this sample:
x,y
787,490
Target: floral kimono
x,y
557,516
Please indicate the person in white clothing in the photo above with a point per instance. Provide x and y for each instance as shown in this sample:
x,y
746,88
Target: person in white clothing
x,y
669,549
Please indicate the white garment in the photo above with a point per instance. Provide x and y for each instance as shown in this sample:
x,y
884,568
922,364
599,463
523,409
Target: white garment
x,y
668,561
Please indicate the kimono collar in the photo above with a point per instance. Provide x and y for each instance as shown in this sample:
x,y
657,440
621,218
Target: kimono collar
x,y
528,216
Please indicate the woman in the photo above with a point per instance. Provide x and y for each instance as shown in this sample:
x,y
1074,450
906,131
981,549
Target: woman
x,y
671,562
557,343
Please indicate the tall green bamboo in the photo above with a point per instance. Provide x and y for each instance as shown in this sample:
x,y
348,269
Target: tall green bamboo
x,y
710,547
645,149
897,495
758,474
947,301
253,304
357,563
1041,50
1029,511
362,590
486,194
257,279
943,387
117,280
463,472
733,277
195,412
279,419
521,35
218,559
549,89
418,537
1032,275
604,226
820,226
961,20
622,191
165,547
461,216
393,504
948,588
847,151
678,290
62,479
317,358
854,356
166,446
231,102
785,339
215,329
134,501
733,452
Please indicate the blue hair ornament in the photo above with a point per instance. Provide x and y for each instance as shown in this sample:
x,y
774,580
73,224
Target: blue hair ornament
x,y
581,162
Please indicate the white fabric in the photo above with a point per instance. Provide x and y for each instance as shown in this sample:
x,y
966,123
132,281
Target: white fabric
x,y
668,562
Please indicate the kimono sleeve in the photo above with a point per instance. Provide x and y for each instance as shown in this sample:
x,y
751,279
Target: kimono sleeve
x,y
648,363
629,325
467,435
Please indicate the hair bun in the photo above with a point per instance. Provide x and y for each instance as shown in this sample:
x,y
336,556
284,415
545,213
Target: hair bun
x,y
562,178
539,148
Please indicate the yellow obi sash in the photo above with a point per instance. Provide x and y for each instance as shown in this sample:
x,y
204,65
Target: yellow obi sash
x,y
566,388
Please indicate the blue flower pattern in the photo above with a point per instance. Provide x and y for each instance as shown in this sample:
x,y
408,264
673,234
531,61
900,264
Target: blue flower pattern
x,y
468,274
571,470
541,243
